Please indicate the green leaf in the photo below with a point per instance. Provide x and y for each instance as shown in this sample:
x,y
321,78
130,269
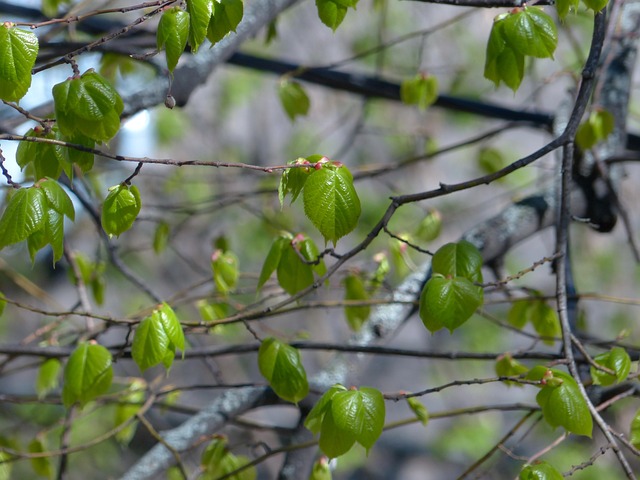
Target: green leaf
x,y
293,180
57,198
42,466
84,160
430,226
334,441
595,5
355,290
199,16
419,410
421,90
545,321
332,12
225,18
87,375
46,159
24,215
595,129
48,377
3,303
18,52
506,366
531,32
448,302
157,338
313,422
161,237
563,405
563,7
273,259
293,98
503,63
217,462
634,430
131,401
460,259
88,105
519,314
540,471
120,209
293,274
172,34
490,160
360,413
320,470
331,201
281,365
310,252
616,359
224,266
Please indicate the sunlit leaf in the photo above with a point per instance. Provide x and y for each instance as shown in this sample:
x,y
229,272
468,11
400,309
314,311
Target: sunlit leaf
x,y
616,359
199,16
87,374
24,215
293,98
531,32
225,18
419,410
120,209
18,52
172,34
448,302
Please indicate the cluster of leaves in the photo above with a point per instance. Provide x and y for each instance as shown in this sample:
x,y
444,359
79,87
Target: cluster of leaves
x,y
330,199
540,314
217,461
343,417
211,19
224,266
452,295
36,214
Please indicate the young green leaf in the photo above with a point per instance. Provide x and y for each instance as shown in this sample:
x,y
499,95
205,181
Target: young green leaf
x,y
448,302
419,410
460,259
224,266
172,34
313,422
157,338
48,377
3,303
503,63
519,313
87,375
88,105
430,226
310,252
490,160
217,461
421,90
57,198
24,215
540,471
18,52
161,237
83,159
46,159
293,98
292,272
320,470
531,32
563,405
595,5
331,201
131,401
545,321
332,12
120,209
634,430
282,366
199,16
293,180
506,366
225,18
616,359
563,7
595,129
360,413
273,258
41,465
355,290
334,441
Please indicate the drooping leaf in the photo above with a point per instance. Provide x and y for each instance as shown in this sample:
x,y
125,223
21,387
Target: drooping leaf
x,y
419,410
161,237
293,98
57,198
224,266
332,12
24,215
563,405
313,422
355,290
545,321
83,159
225,18
48,377
282,366
563,7
421,90
199,16
42,466
18,52
334,441
47,160
430,226
292,272
120,209
519,314
331,201
448,302
293,180
461,259
157,338
172,34
273,258
531,32
540,471
616,359
503,63
88,105
87,374
310,253
596,128
360,413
